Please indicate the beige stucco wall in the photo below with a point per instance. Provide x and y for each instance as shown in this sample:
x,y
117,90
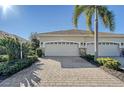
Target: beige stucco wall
x,y
83,49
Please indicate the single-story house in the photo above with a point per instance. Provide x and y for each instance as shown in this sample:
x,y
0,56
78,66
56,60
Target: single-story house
x,y
79,42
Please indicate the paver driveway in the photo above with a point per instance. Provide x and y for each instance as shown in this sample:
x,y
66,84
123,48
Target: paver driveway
x,y
62,71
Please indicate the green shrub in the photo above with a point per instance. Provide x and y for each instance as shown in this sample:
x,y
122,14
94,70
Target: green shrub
x,y
31,53
39,52
112,65
12,46
3,50
12,67
106,62
32,58
2,67
26,47
4,58
109,63
89,57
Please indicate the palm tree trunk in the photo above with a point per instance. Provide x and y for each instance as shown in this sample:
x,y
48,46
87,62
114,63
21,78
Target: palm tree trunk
x,y
96,34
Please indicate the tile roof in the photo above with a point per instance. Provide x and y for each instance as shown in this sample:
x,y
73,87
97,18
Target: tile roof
x,y
2,34
76,32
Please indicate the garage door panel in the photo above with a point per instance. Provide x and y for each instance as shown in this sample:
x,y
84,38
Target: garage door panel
x,y
104,50
61,50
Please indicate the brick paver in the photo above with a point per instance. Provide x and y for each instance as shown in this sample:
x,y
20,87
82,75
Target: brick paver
x,y
62,71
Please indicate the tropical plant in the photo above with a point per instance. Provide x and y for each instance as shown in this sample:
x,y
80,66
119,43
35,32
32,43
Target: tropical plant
x,y
34,41
96,12
39,52
12,46
3,50
4,58
26,48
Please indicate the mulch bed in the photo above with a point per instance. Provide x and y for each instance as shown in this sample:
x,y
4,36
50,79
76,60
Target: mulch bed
x,y
117,73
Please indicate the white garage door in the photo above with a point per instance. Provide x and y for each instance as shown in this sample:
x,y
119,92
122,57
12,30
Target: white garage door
x,y
61,49
106,49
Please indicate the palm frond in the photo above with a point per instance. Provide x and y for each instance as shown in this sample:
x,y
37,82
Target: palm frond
x,y
111,20
89,13
77,12
107,17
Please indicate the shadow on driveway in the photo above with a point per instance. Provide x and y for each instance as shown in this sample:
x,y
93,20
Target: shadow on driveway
x,y
72,62
27,77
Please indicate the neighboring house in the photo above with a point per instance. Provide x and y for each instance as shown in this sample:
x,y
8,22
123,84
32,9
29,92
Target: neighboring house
x,y
78,42
2,33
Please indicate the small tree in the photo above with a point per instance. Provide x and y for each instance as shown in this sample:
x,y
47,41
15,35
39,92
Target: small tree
x,y
26,47
34,41
39,52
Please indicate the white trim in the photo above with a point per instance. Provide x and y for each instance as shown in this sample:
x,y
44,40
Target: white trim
x,y
79,43
119,43
61,41
104,41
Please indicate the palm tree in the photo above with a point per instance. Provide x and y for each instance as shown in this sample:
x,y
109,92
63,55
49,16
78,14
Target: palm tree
x,y
98,13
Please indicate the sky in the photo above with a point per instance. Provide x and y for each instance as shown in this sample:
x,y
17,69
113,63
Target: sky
x,y
23,20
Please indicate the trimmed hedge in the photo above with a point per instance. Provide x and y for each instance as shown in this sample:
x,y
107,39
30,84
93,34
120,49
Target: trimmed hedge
x,y
109,63
106,62
4,58
9,68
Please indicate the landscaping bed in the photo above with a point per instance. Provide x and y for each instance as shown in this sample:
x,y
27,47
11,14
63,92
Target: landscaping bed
x,y
110,65
9,68
16,55
117,73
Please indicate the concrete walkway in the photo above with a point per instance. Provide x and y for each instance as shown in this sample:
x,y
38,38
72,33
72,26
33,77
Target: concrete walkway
x,y
62,71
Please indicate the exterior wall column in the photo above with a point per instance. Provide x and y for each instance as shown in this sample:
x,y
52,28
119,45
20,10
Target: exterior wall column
x,y
79,44
44,44
40,44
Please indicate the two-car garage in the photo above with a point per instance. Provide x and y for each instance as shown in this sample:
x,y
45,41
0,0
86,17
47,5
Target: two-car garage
x,y
72,49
